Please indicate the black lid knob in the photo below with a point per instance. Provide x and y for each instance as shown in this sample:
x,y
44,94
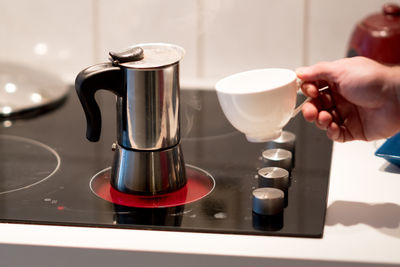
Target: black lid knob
x,y
129,55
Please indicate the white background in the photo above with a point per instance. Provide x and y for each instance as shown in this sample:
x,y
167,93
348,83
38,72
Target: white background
x,y
220,37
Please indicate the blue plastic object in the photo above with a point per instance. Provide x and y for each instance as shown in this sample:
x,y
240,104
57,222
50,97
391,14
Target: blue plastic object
x,y
390,150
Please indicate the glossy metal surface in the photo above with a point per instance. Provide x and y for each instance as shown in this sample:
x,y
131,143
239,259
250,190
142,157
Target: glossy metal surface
x,y
145,80
268,201
155,55
148,112
286,141
278,157
273,177
148,172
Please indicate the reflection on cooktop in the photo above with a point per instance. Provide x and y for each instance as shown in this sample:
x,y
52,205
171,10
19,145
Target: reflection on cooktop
x,y
199,184
54,145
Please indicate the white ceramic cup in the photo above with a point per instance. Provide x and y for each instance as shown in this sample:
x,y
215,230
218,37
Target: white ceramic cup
x,y
259,103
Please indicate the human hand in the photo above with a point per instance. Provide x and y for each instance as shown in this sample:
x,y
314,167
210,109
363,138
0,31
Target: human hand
x,y
362,103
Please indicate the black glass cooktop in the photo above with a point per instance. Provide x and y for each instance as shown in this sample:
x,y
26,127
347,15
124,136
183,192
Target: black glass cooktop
x,y
46,165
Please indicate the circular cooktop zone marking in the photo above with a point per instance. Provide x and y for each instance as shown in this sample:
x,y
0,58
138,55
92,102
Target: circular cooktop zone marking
x,y
199,184
25,163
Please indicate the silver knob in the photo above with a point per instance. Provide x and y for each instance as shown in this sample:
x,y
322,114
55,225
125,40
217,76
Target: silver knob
x,y
268,201
278,157
286,141
273,177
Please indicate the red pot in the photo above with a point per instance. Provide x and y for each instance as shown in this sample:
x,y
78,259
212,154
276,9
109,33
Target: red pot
x,y
378,36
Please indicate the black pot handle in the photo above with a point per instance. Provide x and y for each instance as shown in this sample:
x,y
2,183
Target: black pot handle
x,y
87,83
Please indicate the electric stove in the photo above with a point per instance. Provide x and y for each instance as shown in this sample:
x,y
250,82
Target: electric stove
x,y
51,175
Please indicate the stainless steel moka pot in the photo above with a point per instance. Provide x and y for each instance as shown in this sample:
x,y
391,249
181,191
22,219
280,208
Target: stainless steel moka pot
x,y
145,79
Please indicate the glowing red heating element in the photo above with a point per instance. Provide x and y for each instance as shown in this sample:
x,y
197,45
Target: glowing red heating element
x,y
199,184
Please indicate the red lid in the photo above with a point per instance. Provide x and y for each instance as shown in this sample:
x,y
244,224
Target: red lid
x,y
387,21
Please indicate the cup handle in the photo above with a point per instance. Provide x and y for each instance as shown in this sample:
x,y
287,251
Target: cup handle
x,y
297,110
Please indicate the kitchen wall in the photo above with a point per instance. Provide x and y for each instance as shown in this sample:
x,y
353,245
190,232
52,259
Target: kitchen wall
x,y
220,37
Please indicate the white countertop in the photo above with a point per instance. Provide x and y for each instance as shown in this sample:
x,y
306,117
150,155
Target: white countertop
x,y
362,226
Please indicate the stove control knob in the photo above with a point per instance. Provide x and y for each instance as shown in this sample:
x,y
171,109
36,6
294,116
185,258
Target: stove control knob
x,y
286,141
278,157
268,201
273,177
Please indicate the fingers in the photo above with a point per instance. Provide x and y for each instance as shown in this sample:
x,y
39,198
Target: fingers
x,y
320,101
310,111
329,110
324,120
334,132
310,89
322,111
323,71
